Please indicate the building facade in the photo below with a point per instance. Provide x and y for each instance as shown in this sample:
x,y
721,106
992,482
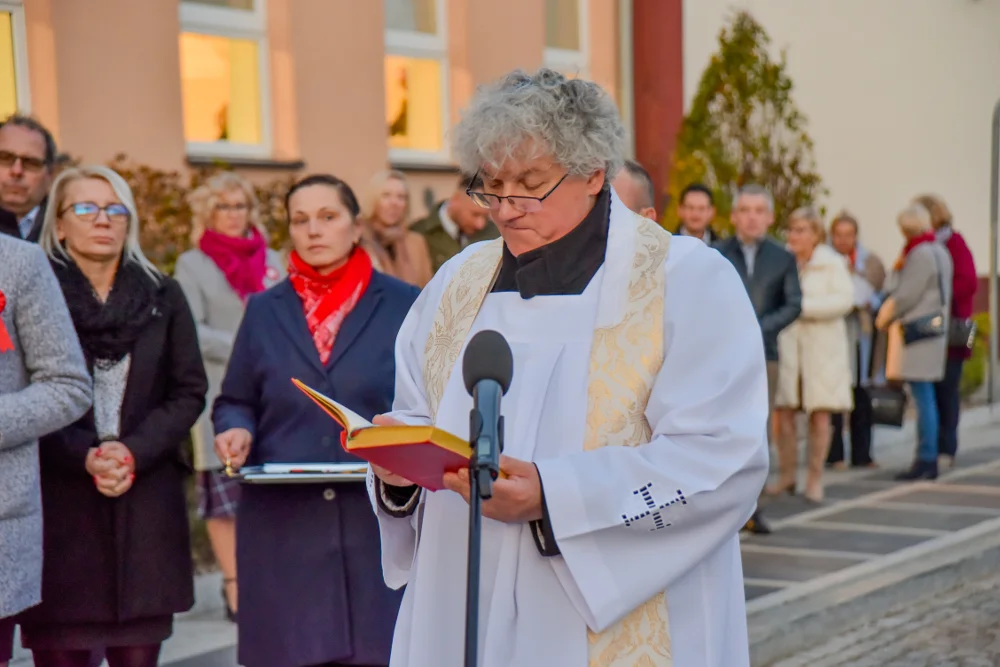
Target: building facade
x,y
278,86
898,93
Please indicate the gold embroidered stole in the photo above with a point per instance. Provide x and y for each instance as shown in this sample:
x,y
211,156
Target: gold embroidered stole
x,y
624,361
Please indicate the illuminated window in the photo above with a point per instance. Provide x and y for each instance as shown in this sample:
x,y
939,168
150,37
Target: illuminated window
x,y
566,36
13,65
223,77
415,80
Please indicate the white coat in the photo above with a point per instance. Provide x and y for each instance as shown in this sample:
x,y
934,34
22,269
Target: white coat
x,y
813,352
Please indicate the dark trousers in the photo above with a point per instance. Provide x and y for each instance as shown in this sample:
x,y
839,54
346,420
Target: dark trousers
x,y
860,429
949,406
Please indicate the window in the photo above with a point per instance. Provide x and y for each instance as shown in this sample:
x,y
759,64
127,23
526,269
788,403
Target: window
x,y
566,36
13,61
416,91
223,64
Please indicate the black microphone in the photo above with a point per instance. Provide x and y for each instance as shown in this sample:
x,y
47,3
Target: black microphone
x,y
487,369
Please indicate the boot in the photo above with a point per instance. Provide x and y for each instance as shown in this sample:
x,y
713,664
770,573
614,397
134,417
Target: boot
x,y
919,470
819,444
788,463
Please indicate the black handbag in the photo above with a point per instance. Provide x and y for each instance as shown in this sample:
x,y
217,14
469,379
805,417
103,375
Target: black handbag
x,y
888,404
962,333
929,326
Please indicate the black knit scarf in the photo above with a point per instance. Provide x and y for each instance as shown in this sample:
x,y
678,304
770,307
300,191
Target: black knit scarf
x,y
108,330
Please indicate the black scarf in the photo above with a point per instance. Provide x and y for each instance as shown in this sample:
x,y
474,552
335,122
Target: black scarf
x,y
108,330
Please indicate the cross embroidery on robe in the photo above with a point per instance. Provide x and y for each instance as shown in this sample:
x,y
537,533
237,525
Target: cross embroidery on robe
x,y
652,507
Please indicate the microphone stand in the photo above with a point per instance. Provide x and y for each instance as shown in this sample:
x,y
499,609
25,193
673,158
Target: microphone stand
x,y
486,441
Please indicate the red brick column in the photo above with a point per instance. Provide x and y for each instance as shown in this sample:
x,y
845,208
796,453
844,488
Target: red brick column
x,y
658,85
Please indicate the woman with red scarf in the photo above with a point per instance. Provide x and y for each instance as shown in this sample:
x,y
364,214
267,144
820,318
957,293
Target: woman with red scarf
x,y
309,560
230,261
918,307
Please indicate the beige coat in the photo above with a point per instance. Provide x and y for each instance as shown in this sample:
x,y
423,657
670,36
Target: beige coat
x,y
813,353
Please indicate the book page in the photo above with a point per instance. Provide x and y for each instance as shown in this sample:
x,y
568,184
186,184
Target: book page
x,y
347,418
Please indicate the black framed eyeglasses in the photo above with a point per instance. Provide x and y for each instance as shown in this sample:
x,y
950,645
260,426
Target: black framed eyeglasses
x,y
28,162
88,211
518,202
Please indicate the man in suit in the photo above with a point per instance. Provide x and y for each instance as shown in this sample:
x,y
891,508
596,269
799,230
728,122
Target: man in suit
x,y
455,223
771,277
635,188
696,210
27,159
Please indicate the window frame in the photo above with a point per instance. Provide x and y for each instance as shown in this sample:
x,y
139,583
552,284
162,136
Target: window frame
x,y
19,38
412,44
202,19
567,60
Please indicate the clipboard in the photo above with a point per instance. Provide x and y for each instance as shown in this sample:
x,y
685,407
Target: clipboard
x,y
302,473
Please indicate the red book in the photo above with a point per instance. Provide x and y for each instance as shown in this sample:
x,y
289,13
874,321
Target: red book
x,y
421,454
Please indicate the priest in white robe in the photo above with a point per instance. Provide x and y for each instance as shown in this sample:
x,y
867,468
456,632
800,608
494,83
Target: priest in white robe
x,y
635,424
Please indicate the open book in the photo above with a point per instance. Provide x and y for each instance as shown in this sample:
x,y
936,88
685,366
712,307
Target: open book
x,y
421,454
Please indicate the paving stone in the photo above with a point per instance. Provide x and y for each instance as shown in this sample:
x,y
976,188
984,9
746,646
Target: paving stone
x,y
788,567
882,516
805,537
753,591
975,480
953,497
958,628
850,490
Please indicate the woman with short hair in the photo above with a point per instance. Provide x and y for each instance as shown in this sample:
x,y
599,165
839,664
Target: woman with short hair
x,y
918,308
814,374
964,284
117,563
230,261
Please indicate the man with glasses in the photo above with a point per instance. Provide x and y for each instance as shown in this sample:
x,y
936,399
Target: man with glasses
x,y
634,426
27,158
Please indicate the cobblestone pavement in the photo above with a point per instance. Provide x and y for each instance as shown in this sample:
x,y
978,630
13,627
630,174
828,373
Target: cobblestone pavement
x,y
958,628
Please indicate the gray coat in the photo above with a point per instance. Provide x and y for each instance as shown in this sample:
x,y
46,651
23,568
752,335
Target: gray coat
x,y
218,311
44,386
916,290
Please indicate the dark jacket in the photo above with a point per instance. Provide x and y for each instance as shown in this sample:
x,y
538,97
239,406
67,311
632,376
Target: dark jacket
x,y
441,244
773,288
9,224
309,564
109,560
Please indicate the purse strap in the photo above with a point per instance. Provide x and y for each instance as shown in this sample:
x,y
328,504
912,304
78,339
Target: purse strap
x,y
937,265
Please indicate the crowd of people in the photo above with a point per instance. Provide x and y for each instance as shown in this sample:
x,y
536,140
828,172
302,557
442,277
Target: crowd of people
x,y
107,366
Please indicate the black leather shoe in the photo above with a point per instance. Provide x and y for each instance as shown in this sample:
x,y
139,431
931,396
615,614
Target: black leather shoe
x,y
919,470
757,525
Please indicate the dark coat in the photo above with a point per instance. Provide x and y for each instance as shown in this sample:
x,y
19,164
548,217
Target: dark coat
x,y
440,243
308,555
109,560
773,288
9,224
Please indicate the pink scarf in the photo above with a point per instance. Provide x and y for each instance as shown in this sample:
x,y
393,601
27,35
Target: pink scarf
x,y
242,260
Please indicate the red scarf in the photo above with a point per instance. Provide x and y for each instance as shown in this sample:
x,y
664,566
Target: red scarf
x,y
927,237
242,260
328,299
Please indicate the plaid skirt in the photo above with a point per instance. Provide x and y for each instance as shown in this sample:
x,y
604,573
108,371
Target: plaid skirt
x,y
218,495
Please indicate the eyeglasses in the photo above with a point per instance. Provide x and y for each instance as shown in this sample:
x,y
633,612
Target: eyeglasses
x,y
233,208
28,163
88,211
518,202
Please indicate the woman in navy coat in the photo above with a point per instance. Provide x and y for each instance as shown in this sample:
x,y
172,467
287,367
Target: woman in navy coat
x,y
308,555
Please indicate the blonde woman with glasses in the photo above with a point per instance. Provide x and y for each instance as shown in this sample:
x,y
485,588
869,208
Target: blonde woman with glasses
x,y
117,560
814,374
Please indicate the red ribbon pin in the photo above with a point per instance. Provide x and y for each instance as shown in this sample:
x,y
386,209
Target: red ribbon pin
x,y
5,344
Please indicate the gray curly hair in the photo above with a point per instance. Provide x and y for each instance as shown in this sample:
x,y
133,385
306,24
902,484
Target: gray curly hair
x,y
572,120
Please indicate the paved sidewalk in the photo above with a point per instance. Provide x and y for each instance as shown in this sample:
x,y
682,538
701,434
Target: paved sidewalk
x,y
958,628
